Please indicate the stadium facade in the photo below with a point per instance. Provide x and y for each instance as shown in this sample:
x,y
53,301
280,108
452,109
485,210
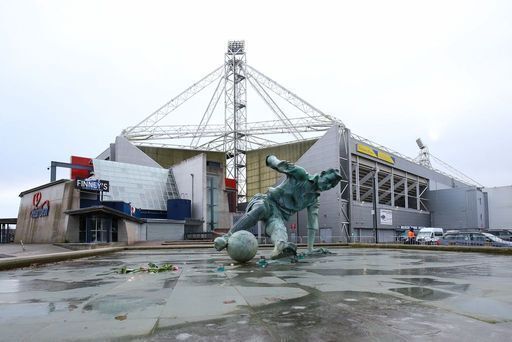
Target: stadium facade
x,y
139,193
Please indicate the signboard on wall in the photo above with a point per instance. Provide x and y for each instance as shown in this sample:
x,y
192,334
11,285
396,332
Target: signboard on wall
x,y
386,217
92,185
40,209
80,174
372,152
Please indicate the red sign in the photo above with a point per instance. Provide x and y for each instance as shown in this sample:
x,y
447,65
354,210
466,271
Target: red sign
x,y
80,174
293,227
230,183
232,195
36,199
39,211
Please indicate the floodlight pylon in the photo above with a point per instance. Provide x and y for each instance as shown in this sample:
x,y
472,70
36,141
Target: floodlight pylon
x,y
235,141
236,136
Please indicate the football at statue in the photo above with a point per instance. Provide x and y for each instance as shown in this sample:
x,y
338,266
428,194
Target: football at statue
x,y
242,246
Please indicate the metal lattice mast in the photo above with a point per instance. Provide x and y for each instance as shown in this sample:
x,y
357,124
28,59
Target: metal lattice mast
x,y
144,129
235,141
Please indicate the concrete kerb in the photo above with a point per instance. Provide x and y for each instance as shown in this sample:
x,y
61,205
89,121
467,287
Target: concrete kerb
x,y
471,249
467,249
210,245
24,261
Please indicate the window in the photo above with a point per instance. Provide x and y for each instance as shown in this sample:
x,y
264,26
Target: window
x,y
143,186
97,228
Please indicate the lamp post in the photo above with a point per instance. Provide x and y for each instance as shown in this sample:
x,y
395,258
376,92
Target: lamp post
x,y
375,199
192,196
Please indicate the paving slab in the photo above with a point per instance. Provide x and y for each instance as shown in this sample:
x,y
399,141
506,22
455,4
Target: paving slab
x,y
352,295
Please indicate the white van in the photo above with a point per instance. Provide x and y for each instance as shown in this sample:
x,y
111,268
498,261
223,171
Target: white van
x,y
430,235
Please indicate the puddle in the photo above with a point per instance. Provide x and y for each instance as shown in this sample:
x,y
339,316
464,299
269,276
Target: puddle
x,y
170,283
425,281
9,285
33,273
422,293
451,272
77,265
114,305
459,288
350,272
31,309
23,310
55,285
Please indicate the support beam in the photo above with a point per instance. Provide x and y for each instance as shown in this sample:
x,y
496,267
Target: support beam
x,y
392,187
274,107
54,165
177,101
287,95
358,182
397,185
219,90
417,193
406,192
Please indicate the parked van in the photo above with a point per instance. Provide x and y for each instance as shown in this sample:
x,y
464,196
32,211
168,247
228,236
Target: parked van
x,y
430,236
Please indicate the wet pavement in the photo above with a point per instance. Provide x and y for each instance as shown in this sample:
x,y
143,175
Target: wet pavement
x,y
353,295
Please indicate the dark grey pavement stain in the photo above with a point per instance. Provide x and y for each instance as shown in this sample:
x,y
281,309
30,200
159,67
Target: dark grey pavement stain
x,y
422,293
115,304
33,273
170,283
55,285
425,281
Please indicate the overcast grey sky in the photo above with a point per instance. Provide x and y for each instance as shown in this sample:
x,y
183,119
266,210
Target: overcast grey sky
x,y
73,74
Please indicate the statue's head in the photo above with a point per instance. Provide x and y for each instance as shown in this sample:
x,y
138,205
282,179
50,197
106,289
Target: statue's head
x,y
328,179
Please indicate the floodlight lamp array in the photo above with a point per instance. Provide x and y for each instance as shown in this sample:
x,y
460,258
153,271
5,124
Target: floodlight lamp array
x,y
236,47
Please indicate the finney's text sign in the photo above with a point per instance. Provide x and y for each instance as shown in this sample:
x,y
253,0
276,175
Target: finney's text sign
x,y
92,185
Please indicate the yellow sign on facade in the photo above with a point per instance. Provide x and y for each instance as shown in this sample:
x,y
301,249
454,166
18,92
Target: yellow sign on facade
x,y
375,153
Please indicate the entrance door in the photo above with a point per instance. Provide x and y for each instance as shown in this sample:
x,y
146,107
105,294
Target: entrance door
x,y
98,229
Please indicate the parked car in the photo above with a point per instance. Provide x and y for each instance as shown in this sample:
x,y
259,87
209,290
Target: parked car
x,y
430,236
504,234
473,239
497,241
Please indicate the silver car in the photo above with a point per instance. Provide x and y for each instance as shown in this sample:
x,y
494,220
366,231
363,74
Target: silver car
x,y
473,239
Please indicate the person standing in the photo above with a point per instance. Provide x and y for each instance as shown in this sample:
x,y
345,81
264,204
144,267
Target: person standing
x,y
411,236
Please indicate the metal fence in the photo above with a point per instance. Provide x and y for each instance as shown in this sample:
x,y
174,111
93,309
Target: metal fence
x,y
299,239
303,239
6,233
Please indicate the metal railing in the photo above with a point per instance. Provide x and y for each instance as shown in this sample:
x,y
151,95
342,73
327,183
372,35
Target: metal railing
x,y
6,231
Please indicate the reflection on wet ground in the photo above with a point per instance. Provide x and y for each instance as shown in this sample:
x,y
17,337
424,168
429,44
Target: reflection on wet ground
x,y
55,285
423,293
425,281
351,295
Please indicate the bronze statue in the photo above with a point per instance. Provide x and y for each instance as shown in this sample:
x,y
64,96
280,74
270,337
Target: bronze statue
x,y
298,191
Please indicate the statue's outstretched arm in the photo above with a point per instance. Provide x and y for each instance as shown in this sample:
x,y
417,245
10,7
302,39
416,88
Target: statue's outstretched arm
x,y
285,167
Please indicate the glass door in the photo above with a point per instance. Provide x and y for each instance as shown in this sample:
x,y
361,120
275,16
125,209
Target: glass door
x,y
98,229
